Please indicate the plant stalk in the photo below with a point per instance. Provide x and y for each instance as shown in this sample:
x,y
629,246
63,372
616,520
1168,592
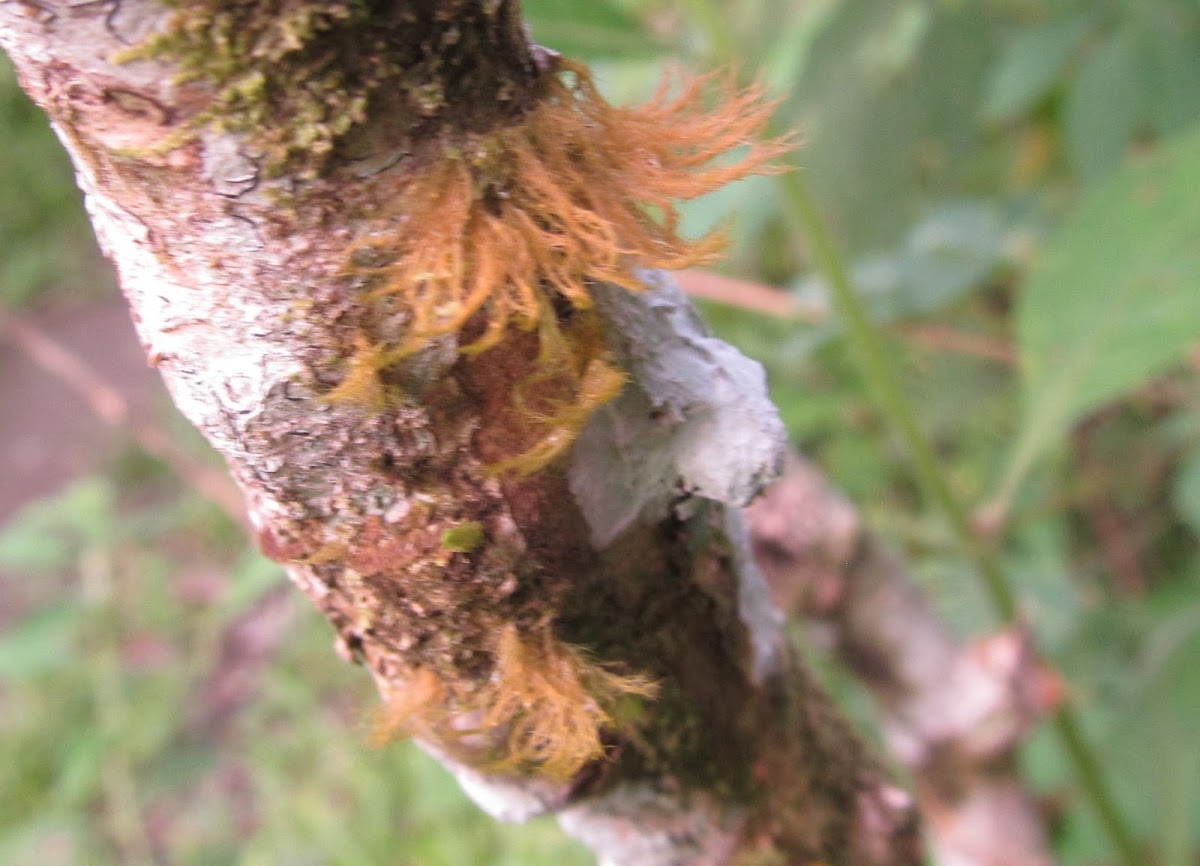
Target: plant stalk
x,y
885,387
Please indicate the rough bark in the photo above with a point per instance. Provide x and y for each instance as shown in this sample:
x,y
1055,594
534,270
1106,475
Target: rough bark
x,y
952,713
629,556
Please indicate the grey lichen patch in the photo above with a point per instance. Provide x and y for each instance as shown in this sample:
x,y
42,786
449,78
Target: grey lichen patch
x,y
230,172
296,78
700,420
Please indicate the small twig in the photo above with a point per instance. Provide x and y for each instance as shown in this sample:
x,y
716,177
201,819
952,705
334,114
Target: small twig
x,y
746,295
110,406
757,298
962,342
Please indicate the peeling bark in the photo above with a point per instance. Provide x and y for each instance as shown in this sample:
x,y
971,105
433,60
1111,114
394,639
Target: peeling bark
x,y
631,556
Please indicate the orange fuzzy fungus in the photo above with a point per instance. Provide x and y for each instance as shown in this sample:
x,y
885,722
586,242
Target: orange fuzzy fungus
x,y
511,227
552,701
599,382
410,710
361,383
541,711
575,190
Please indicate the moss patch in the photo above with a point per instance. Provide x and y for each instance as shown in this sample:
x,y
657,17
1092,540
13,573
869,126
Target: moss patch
x,y
298,77
463,538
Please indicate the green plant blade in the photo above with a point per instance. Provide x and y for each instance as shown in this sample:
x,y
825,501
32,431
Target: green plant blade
x,y
1103,108
1030,66
593,30
1113,300
1186,490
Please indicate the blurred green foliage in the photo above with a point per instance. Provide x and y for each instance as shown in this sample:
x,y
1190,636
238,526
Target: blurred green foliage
x,y
1026,171
111,751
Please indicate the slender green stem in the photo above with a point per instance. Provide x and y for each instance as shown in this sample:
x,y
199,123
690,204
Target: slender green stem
x,y
882,380
885,386
1091,776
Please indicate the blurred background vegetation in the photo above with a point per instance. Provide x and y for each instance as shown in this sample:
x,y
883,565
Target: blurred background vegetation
x,y
1015,185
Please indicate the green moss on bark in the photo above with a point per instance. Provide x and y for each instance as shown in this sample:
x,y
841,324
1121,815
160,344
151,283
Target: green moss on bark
x,y
463,538
298,77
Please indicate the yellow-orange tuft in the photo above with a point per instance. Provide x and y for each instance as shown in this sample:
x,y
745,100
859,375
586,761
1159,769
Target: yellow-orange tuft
x,y
542,711
361,383
574,191
552,701
511,228
415,708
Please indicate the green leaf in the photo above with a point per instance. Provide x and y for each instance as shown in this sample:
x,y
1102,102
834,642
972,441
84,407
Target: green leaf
x,y
785,61
45,535
1103,108
1154,732
947,254
890,50
1031,64
1039,563
80,759
591,30
1186,490
39,643
49,840
873,136
1113,300
1171,75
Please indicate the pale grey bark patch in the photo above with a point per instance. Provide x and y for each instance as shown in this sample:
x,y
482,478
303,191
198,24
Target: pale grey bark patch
x,y
696,419
689,829
505,798
756,606
230,171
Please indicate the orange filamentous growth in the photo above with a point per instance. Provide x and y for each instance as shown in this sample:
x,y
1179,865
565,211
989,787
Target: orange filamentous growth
x,y
511,227
598,383
414,708
552,701
543,711
506,222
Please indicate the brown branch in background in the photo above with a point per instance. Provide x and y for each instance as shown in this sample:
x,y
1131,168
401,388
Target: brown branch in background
x,y
110,405
961,342
758,298
747,295
952,713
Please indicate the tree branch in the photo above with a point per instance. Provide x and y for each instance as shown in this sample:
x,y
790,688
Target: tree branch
x,y
592,638
951,713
